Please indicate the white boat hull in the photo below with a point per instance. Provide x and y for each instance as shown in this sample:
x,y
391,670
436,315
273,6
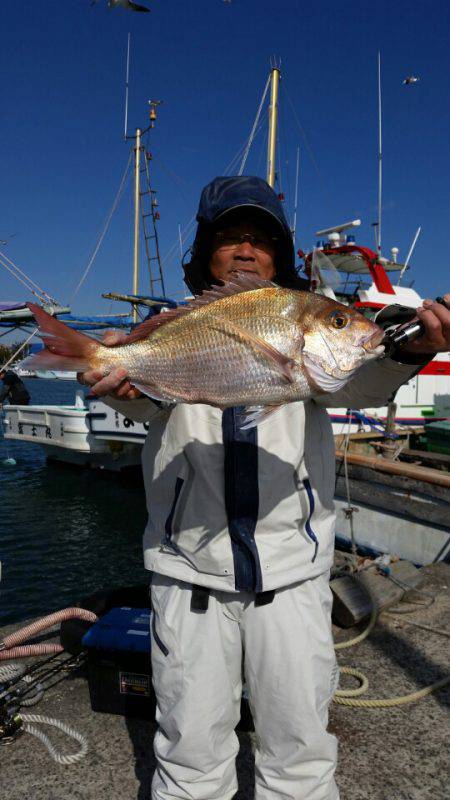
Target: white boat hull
x,y
65,434
379,531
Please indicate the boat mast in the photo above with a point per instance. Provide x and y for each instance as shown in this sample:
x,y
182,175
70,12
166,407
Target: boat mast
x,y
297,169
380,159
137,207
273,121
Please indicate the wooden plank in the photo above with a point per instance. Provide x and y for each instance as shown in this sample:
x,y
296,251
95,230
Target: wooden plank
x,y
352,593
424,455
426,474
391,500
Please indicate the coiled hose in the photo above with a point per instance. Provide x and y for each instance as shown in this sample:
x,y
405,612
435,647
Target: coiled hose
x,y
10,650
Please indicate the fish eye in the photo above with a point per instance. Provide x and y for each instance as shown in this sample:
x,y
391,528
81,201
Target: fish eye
x,y
338,319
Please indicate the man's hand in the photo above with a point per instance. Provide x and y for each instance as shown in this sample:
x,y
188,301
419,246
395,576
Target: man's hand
x,y
436,320
115,383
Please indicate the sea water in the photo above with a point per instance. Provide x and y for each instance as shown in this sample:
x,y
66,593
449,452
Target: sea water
x,y
65,532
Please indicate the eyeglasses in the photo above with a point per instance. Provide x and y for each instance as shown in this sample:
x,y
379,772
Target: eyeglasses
x,y
231,240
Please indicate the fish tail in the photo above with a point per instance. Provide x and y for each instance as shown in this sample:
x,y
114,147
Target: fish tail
x,y
65,348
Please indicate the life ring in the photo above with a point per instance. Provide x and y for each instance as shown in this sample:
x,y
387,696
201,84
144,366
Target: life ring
x,y
73,630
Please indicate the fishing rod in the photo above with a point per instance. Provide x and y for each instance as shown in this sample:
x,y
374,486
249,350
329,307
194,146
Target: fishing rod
x,y
409,332
17,687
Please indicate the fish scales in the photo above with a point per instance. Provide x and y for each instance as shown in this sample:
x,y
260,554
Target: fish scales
x,y
193,359
249,343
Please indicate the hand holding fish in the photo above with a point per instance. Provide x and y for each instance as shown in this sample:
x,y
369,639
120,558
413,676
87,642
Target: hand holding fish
x,y
436,321
115,383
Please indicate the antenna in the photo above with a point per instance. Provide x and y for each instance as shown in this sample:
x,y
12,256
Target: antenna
x,y
380,159
127,75
180,242
354,223
405,265
294,225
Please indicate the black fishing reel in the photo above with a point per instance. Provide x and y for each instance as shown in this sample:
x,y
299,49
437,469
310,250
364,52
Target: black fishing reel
x,y
405,331
11,724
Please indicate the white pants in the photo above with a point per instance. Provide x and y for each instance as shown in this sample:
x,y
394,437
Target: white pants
x,y
290,671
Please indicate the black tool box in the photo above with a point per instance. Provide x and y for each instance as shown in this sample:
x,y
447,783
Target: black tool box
x,y
119,670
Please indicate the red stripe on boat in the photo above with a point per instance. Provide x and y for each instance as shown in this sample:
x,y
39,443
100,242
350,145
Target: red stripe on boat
x,y
436,368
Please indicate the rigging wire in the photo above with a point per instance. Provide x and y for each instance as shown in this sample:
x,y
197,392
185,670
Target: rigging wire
x,y
105,228
16,271
19,349
283,138
279,176
294,222
308,146
254,127
263,148
186,231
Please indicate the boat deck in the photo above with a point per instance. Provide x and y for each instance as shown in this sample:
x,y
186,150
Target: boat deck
x,y
385,754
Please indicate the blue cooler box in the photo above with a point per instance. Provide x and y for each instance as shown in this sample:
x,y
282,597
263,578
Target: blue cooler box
x,y
119,670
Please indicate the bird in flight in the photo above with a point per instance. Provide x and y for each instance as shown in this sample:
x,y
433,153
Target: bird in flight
x,y
5,241
410,79
128,4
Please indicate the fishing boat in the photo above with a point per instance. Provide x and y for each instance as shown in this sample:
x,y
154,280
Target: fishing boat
x,y
392,498
367,286
88,432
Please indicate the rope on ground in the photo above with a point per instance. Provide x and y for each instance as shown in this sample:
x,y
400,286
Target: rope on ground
x,y
70,758
365,633
347,697
428,628
346,700
364,685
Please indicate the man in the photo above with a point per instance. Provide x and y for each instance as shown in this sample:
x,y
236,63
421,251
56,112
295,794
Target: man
x,y
13,389
240,542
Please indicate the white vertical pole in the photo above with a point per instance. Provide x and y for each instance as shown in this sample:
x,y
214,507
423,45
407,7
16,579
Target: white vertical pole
x,y
273,122
137,207
126,86
380,158
405,265
297,169
180,241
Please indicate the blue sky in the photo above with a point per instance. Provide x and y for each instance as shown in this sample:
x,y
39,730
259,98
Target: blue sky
x,y
62,152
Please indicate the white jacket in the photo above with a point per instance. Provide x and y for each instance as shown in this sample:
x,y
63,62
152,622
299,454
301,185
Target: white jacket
x,y
231,516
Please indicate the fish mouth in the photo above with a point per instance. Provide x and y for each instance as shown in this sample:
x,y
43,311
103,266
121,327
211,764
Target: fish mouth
x,y
373,343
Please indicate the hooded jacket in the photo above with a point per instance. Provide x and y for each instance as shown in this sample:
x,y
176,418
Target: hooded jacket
x,y
232,197
247,510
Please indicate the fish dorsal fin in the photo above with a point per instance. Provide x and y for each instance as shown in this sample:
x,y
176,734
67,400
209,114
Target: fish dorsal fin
x,y
241,283
145,329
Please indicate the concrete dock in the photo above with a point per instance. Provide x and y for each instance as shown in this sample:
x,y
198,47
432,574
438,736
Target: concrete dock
x,y
385,754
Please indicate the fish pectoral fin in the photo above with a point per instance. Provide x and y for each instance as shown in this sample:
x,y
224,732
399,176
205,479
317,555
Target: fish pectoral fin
x,y
284,364
252,415
152,393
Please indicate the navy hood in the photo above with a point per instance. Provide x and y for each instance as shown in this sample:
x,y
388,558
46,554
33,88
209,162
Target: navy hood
x,y
241,197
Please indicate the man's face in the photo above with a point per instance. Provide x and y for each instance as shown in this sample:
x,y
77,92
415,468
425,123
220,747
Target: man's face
x,y
232,252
